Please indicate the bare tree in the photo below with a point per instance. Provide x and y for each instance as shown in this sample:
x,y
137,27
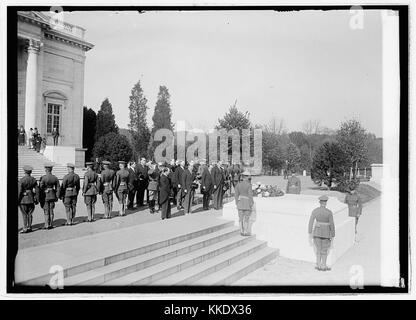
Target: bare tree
x,y
312,127
277,126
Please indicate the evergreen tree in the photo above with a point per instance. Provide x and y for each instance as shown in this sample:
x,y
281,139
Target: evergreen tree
x,y
234,119
292,157
162,117
138,125
88,131
113,147
105,120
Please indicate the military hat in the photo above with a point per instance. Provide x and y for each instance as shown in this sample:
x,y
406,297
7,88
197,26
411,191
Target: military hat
x,y
122,162
106,162
70,165
323,198
48,165
89,163
27,168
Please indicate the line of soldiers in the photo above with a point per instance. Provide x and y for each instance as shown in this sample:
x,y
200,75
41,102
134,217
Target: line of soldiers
x,y
161,183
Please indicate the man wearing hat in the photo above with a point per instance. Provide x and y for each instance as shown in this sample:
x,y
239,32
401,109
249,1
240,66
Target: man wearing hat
x,y
164,193
90,190
293,184
206,186
70,188
218,181
122,186
322,229
49,191
143,179
28,198
244,201
107,185
187,186
177,181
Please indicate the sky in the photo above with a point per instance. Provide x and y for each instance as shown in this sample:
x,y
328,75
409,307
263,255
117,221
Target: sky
x,y
296,66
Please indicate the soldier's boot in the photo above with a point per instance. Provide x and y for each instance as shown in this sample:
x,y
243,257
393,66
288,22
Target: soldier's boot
x,y
324,266
51,219
92,212
73,213
110,209
29,222
25,222
241,227
68,215
318,261
46,214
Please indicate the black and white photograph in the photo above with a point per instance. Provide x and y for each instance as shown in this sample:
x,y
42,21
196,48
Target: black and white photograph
x,y
206,149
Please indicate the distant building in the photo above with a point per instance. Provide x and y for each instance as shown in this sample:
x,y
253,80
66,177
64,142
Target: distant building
x,y
51,57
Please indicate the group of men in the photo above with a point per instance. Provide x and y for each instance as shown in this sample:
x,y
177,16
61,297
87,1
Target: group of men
x,y
162,183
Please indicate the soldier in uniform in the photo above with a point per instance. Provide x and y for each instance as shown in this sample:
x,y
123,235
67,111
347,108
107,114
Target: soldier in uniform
x,y
70,188
355,206
293,184
107,185
122,187
49,188
28,198
90,190
164,193
322,229
244,200
187,185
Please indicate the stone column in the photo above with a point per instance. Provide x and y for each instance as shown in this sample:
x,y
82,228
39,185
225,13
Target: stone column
x,y
31,85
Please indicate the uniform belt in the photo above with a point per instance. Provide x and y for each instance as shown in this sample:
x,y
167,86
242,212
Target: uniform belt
x,y
122,183
323,223
70,189
49,189
243,197
106,183
91,184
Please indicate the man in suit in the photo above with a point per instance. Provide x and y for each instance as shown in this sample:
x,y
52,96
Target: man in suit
x,y
133,184
293,184
90,190
28,198
177,179
322,231
70,188
187,185
174,190
218,181
49,186
244,201
143,180
206,186
165,187
107,185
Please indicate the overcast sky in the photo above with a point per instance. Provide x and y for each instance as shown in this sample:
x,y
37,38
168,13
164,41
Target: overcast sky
x,y
298,66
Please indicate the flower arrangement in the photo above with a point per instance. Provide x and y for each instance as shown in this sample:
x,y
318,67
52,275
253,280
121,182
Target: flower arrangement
x,y
262,190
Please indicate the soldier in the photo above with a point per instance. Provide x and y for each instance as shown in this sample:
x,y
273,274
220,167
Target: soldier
x,y
143,179
218,181
107,185
322,232
293,184
49,186
90,190
122,187
206,186
187,185
164,193
153,186
28,198
355,206
177,180
244,201
132,185
69,193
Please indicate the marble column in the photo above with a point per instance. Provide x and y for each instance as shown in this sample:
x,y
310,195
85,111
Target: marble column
x,y
31,85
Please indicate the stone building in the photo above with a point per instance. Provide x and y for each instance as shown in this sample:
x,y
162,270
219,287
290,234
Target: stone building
x,y
51,57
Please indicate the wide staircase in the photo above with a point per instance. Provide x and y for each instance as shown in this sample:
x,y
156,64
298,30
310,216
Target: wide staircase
x,y
30,157
197,249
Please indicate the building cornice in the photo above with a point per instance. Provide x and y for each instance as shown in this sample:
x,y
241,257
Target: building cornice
x,y
51,33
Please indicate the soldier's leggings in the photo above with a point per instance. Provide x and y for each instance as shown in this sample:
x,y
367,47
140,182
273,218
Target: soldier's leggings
x,y
70,204
27,210
108,203
90,202
48,211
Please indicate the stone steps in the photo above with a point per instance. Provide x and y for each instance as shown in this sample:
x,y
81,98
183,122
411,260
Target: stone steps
x,y
36,160
178,251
